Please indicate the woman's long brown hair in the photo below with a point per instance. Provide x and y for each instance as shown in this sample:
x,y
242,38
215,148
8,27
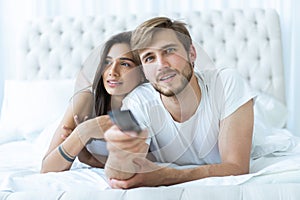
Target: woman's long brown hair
x,y
102,98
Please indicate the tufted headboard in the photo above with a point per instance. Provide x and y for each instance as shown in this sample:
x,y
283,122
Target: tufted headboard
x,y
249,40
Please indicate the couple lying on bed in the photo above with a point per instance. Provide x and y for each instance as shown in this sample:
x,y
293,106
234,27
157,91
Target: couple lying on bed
x,y
189,117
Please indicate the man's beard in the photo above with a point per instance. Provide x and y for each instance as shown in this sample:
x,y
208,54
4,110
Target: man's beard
x,y
186,76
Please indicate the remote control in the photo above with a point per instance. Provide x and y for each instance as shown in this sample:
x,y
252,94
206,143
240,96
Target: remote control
x,y
125,120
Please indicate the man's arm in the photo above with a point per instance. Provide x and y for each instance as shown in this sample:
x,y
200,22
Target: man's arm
x,y
235,141
123,148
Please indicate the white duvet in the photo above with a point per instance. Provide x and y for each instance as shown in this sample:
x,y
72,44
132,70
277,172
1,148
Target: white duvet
x,y
277,154
20,165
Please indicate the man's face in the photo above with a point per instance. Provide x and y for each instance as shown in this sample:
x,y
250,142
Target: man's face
x,y
166,63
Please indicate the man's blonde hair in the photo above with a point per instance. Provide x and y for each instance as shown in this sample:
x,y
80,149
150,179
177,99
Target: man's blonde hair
x,y
143,34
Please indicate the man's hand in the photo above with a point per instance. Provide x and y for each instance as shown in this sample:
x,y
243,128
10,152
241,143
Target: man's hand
x,y
123,147
129,142
149,174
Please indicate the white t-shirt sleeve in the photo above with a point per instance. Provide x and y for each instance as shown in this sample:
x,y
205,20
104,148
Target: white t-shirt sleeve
x,y
234,91
137,102
134,102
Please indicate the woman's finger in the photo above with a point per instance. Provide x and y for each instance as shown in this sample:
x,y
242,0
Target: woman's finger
x,y
85,118
76,119
64,136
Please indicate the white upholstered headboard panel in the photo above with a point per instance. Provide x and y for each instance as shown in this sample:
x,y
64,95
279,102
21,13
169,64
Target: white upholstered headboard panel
x,y
249,40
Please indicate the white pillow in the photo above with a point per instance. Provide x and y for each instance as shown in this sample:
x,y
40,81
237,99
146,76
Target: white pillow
x,y
268,140
29,106
41,144
270,111
269,135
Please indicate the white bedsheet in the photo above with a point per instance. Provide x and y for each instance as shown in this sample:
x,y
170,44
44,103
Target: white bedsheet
x,y
20,165
18,156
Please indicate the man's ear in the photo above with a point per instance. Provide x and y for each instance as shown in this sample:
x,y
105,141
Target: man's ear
x,y
192,54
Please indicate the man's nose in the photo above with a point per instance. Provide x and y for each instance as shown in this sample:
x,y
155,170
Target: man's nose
x,y
162,62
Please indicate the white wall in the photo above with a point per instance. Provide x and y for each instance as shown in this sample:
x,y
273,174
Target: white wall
x,y
1,56
14,12
294,75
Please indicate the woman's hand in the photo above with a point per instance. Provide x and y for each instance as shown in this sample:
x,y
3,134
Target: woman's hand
x,y
67,130
93,128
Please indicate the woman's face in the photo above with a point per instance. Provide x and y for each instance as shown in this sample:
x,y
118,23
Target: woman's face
x,y
121,74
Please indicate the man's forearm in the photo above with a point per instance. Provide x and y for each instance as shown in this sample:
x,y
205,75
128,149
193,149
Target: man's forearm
x,y
175,176
123,150
119,168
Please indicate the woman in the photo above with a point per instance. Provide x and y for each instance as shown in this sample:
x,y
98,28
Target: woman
x,y
118,73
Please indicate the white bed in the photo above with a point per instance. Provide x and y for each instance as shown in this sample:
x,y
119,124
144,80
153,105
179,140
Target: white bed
x,y
54,50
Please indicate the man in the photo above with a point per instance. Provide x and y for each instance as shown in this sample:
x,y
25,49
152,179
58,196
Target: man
x,y
203,119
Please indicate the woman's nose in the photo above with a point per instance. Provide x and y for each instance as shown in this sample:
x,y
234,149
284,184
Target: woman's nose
x,y
113,70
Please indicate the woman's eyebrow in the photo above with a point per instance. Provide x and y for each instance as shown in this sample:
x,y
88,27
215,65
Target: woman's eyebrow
x,y
125,58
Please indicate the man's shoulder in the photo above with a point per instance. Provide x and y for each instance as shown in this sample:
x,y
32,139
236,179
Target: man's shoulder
x,y
143,92
141,102
143,89
215,72
224,74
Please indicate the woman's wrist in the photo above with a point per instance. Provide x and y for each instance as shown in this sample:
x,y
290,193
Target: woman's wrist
x,y
65,154
82,136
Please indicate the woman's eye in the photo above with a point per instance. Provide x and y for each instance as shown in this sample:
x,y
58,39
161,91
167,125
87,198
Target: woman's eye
x,y
107,62
125,64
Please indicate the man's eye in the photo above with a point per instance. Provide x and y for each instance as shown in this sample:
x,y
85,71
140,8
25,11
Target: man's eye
x,y
148,59
170,50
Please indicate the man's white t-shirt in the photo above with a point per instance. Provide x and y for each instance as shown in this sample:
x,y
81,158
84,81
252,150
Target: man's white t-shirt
x,y
195,141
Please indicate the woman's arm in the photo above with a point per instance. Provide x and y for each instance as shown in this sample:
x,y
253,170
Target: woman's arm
x,y
55,160
94,161
62,149
85,156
